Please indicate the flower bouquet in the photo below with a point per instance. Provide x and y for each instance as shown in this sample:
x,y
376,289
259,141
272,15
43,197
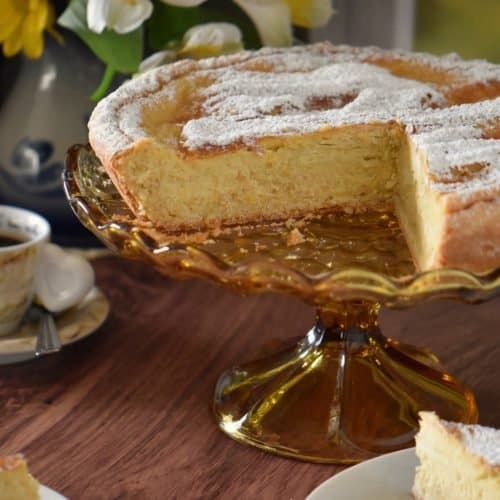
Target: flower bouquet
x,y
131,36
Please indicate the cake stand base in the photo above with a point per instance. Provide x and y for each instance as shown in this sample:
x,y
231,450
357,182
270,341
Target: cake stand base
x,y
343,394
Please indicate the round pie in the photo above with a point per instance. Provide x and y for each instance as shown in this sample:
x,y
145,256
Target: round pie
x,y
280,133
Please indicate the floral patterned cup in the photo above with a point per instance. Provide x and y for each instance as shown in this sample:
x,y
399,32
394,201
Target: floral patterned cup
x,y
29,265
18,262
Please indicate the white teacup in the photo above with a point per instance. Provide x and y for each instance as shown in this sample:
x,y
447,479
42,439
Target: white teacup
x,y
29,264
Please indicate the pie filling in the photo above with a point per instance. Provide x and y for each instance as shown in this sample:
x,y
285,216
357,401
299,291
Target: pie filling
x,y
457,461
359,167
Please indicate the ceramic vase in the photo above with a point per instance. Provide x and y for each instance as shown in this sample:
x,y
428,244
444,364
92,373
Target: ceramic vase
x,y
44,109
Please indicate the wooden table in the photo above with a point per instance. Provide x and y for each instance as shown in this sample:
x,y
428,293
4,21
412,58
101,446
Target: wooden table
x,y
125,413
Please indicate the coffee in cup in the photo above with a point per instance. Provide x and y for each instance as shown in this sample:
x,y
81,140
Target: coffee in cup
x,y
29,264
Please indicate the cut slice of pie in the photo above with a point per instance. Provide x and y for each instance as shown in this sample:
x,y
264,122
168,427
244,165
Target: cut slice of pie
x,y
457,461
16,483
279,133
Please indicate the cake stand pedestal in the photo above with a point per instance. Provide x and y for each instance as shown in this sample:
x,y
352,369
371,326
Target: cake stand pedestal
x,y
343,393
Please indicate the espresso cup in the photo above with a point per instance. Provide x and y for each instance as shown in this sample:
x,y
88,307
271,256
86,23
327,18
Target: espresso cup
x,y
29,264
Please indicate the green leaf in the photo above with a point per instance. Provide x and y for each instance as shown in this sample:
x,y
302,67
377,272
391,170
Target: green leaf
x,y
122,52
169,23
107,80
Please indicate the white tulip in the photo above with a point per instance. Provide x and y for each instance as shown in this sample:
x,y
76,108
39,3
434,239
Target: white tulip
x,y
157,59
211,39
121,16
199,41
271,18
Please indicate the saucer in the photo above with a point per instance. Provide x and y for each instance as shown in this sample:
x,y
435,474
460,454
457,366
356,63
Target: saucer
x,y
74,324
388,477
48,494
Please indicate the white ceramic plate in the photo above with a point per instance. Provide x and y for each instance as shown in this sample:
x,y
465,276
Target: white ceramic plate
x,y
388,477
73,325
48,494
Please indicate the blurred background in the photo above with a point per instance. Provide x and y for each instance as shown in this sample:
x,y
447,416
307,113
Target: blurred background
x,y
45,104
469,28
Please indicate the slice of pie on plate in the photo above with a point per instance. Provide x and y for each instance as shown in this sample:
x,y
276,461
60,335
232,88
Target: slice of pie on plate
x,y
457,461
16,483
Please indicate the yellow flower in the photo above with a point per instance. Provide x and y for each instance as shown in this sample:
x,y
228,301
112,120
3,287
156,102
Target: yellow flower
x,y
313,14
274,18
22,24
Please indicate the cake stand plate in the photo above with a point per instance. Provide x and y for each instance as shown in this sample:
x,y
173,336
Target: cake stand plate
x,y
343,393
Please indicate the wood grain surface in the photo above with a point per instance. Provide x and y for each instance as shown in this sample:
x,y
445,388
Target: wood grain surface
x,y
125,413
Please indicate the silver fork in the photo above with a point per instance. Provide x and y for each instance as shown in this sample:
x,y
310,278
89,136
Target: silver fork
x,y
47,338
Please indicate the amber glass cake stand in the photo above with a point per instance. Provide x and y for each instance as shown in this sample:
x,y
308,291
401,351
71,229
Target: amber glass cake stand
x,y
344,392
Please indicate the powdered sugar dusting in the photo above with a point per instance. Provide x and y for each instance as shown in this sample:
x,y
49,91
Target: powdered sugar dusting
x,y
245,105
481,441
115,123
452,138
